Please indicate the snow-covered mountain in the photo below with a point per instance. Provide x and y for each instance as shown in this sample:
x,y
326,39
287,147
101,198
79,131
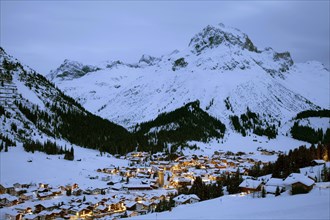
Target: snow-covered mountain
x,y
221,67
70,70
33,109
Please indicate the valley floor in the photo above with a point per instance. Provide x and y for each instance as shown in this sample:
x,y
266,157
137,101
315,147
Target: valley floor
x,y
314,205
52,169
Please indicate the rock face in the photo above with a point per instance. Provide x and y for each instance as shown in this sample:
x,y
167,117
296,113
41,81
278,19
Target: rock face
x,y
211,37
69,70
221,67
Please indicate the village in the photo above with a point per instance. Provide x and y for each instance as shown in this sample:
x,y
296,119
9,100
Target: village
x,y
118,192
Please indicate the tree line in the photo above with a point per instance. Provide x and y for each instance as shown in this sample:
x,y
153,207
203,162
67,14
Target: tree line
x,y
308,134
48,147
293,161
313,113
250,121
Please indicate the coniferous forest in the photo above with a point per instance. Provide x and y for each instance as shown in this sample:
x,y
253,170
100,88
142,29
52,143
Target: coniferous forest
x,y
251,121
293,161
308,134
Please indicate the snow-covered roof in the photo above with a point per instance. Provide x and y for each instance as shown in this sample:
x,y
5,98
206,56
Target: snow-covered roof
x,y
8,197
297,177
181,179
183,198
319,161
265,178
130,204
274,182
11,212
31,216
271,189
251,184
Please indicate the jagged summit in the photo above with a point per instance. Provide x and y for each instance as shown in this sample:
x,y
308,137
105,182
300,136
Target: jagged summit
x,y
212,36
149,60
70,69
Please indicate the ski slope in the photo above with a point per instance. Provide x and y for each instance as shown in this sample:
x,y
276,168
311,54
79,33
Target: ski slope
x,y
314,205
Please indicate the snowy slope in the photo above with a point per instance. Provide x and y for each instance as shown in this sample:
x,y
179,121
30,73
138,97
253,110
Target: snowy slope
x,y
53,169
314,205
220,63
32,108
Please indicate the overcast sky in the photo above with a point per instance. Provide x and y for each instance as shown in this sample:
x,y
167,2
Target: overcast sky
x,y
44,33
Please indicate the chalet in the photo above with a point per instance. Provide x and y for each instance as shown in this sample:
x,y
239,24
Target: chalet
x,y
23,185
250,186
46,215
80,211
186,199
317,162
298,183
3,189
101,209
65,208
93,191
17,185
56,192
143,207
43,185
130,205
24,209
44,195
272,184
117,186
116,206
181,181
8,200
96,191
39,208
232,163
12,214
56,213
6,188
77,192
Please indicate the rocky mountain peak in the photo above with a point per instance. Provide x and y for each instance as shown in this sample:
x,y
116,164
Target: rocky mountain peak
x,y
70,69
149,60
213,36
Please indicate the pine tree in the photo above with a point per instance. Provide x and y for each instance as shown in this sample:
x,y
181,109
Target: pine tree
x,y
6,147
277,192
72,153
263,192
84,199
325,174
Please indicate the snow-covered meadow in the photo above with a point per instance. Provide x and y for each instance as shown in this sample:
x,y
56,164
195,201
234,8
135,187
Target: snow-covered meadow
x,y
53,169
314,205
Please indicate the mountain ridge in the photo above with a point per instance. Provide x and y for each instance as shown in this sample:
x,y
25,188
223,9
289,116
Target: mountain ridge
x,y
227,71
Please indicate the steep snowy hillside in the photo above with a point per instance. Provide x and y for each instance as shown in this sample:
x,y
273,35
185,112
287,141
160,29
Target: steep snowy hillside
x,y
32,108
221,68
188,123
